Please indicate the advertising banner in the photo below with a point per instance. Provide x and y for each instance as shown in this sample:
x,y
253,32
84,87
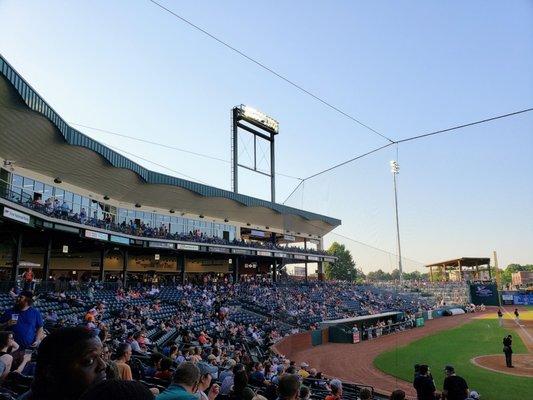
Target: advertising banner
x,y
16,215
523,299
161,245
188,247
96,235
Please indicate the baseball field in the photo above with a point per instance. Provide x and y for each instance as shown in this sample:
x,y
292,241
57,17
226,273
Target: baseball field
x,y
459,346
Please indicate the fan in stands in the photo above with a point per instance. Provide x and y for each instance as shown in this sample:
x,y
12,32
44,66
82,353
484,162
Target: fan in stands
x,y
160,336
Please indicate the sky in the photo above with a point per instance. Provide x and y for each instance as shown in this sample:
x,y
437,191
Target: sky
x,y
403,67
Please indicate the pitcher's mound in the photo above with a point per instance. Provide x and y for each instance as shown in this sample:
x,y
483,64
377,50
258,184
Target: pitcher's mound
x,y
523,364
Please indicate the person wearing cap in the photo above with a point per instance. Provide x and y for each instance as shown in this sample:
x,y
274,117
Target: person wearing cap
x,y
303,370
184,384
24,321
205,382
336,390
229,379
455,387
424,385
280,370
474,395
228,370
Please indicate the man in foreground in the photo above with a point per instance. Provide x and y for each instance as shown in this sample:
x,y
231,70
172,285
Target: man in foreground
x,y
184,383
455,387
424,385
24,321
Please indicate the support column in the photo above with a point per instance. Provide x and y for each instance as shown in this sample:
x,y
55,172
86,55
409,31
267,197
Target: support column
x,y
181,267
236,269
124,268
306,271
460,271
320,264
17,250
47,260
431,274
320,270
274,270
101,272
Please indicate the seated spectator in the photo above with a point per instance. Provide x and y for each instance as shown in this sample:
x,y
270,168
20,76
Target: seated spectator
x,y
164,371
303,370
305,393
123,356
397,395
155,364
184,383
112,369
289,387
118,390
68,362
474,395
336,390
228,381
8,345
241,390
257,377
205,383
365,394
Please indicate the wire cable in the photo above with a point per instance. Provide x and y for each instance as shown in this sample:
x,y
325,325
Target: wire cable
x,y
170,147
464,125
266,68
421,137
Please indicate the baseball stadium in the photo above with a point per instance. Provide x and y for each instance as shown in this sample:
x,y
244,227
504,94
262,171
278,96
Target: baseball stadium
x,y
121,282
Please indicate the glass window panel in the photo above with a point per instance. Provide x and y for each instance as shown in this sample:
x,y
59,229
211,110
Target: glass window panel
x,y
38,187
59,193
48,192
17,181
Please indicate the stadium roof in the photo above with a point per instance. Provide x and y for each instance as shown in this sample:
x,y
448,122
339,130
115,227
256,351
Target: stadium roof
x,y
463,261
34,136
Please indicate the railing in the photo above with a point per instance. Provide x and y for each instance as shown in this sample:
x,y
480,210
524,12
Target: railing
x,y
59,213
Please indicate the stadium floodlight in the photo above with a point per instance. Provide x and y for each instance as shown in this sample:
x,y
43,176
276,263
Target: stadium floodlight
x,y
262,127
395,169
260,117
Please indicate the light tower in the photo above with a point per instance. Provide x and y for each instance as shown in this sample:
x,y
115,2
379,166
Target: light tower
x,y
395,169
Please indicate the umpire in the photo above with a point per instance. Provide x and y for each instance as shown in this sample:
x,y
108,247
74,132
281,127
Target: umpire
x,y
508,350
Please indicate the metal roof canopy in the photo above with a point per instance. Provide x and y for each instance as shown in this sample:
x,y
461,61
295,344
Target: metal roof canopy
x,y
462,262
37,138
359,319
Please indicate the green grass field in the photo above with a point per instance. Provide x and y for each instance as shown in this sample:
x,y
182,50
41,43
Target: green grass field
x,y
456,347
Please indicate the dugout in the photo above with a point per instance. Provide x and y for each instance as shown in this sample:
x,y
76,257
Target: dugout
x,y
341,330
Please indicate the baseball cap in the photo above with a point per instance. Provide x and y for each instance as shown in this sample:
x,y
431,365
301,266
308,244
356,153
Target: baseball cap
x,y
205,369
474,394
304,365
335,383
211,357
230,363
280,369
449,368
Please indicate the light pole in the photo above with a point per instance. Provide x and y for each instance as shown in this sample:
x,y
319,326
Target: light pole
x,y
395,169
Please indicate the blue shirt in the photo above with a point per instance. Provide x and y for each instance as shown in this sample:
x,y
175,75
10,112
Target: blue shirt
x,y
176,392
25,330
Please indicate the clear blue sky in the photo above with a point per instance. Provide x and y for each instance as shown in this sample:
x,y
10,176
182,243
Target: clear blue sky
x,y
402,67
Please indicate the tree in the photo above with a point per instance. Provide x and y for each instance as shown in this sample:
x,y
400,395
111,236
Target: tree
x,y
379,276
342,269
